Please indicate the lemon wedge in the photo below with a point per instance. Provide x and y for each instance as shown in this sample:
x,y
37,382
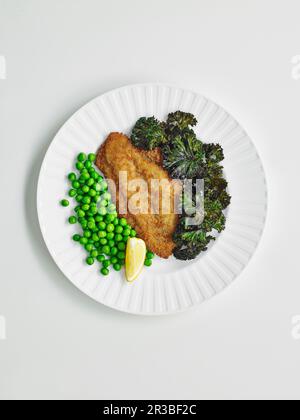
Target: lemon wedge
x,y
135,258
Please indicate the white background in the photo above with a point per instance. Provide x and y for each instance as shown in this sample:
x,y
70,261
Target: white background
x,y
62,53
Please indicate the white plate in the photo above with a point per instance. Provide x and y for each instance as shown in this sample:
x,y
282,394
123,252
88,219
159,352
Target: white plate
x,y
168,286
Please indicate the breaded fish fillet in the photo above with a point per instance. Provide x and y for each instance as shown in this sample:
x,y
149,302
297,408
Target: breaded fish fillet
x,y
117,155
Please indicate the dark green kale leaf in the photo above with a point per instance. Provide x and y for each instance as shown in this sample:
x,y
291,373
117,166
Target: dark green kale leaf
x,y
213,152
215,186
148,133
186,253
225,199
192,237
192,240
214,217
179,121
183,157
189,244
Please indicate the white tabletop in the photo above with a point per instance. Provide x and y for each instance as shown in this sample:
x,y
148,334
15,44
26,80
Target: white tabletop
x,y
59,343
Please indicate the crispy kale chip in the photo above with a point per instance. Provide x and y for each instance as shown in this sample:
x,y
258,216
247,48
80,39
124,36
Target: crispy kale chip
x,y
148,133
183,157
192,240
179,121
189,244
214,217
225,199
186,253
214,153
215,186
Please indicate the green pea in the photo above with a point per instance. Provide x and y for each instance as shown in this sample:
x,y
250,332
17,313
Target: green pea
x,y
91,225
121,246
114,260
81,213
106,250
121,255
111,243
116,222
102,234
85,207
97,177
83,223
79,166
75,185
94,253
99,218
104,203
103,241
79,198
72,177
65,203
110,228
117,267
126,232
102,226
81,157
114,251
109,218
81,181
92,157
104,185
86,200
85,189
104,271
95,237
133,233
102,211
88,164
150,255
94,211
92,193
90,182
87,233
148,263
76,238
96,199
72,193
97,187
110,236
118,229
111,208
83,241
88,247
106,196
122,262
123,222
101,258
90,260
72,220
106,263
118,238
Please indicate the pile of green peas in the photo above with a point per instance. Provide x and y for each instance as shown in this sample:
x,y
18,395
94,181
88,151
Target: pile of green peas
x,y
104,235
